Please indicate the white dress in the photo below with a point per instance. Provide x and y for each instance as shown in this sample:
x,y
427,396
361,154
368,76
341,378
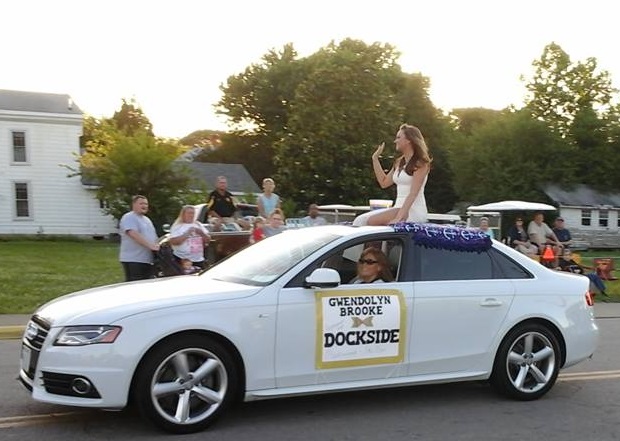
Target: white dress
x,y
417,211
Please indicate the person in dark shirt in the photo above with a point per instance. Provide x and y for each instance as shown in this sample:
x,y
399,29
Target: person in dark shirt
x,y
519,240
562,233
567,263
221,206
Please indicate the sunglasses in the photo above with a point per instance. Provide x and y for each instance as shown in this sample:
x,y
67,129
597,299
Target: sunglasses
x,y
367,261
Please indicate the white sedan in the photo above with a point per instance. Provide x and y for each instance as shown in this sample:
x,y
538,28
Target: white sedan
x,y
282,318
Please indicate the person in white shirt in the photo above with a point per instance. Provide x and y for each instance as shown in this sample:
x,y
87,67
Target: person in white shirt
x,y
189,237
541,235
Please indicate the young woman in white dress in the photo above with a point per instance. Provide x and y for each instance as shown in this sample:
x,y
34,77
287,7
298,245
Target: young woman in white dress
x,y
409,173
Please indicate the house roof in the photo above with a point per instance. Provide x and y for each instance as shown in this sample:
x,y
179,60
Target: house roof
x,y
239,180
581,196
37,102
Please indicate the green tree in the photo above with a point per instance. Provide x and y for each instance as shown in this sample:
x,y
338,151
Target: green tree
x,y
130,119
575,100
343,108
121,165
511,157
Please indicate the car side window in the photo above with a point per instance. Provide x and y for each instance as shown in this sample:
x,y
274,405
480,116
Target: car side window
x,y
508,268
345,260
441,264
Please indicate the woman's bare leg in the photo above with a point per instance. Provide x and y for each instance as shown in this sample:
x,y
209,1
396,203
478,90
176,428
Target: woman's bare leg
x,y
383,217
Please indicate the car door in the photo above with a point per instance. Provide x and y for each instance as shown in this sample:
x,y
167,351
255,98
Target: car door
x,y
461,299
351,332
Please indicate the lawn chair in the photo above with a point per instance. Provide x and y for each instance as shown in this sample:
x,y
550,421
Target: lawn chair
x,y
604,267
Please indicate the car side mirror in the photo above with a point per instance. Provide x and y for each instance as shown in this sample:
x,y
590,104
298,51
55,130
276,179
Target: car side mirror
x,y
323,278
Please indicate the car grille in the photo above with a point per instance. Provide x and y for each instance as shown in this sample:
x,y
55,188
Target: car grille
x,y
34,337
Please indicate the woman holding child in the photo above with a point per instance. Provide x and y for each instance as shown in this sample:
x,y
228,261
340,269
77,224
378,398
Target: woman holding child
x,y
189,237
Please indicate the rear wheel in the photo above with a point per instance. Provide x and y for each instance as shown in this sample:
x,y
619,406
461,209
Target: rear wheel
x,y
184,385
527,362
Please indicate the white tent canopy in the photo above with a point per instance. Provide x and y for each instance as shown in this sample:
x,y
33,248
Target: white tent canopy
x,y
512,206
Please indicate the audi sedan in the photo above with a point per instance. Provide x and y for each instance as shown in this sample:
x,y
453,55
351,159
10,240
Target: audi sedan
x,y
287,317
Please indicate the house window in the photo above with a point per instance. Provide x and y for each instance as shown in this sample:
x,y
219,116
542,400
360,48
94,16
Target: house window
x,y
586,217
19,147
603,217
22,200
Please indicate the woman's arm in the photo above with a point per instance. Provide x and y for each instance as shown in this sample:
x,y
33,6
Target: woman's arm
x,y
416,184
384,179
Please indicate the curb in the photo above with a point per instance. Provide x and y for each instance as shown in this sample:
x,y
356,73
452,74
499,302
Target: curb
x,y
11,332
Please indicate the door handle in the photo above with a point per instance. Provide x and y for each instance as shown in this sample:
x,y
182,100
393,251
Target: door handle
x,y
491,302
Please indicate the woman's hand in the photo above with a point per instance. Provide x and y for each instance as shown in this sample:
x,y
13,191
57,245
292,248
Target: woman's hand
x,y
379,150
398,218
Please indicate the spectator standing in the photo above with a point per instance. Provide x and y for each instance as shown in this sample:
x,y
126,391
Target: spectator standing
x,y
189,237
562,233
313,219
221,206
138,241
268,201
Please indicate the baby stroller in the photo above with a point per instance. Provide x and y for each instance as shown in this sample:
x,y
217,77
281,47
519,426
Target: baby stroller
x,y
166,264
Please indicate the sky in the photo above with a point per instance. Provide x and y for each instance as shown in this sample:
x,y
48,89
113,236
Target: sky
x,y
171,57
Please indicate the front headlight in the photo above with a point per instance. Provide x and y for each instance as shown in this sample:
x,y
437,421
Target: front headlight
x,y
87,335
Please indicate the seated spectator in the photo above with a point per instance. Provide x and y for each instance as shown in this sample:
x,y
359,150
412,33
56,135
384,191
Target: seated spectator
x,y
313,219
373,267
275,224
221,206
541,235
562,233
484,226
518,239
567,263
268,201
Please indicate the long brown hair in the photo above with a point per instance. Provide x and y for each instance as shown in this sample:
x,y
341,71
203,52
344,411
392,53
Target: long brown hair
x,y
384,267
420,150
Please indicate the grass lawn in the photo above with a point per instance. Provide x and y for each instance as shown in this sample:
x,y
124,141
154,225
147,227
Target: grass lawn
x,y
33,272
613,286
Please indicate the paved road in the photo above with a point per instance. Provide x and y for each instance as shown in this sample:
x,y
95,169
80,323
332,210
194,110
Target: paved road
x,y
583,405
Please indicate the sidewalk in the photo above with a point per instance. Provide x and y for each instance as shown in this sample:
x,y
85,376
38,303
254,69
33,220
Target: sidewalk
x,y
12,325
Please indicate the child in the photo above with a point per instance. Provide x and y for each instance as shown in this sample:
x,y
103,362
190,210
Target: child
x,y
188,267
258,233
566,263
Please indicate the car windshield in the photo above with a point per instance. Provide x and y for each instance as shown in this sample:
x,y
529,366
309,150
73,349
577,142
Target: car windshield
x,y
265,261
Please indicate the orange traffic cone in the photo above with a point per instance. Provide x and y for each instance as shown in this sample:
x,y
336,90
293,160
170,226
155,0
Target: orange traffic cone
x,y
548,255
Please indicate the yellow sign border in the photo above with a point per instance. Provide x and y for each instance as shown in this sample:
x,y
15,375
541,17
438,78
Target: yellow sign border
x,y
320,364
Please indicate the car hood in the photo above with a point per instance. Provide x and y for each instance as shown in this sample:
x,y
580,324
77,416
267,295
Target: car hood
x,y
108,304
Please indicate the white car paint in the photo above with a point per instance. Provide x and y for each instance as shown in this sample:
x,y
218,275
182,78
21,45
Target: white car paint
x,y
454,328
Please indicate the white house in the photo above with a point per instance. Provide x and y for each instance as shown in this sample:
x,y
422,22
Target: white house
x,y
39,133
590,215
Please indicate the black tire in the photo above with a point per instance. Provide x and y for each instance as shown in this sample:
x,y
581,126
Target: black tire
x,y
527,362
185,384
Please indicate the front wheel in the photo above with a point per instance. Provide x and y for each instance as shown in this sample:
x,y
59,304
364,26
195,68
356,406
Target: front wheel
x,y
185,384
527,362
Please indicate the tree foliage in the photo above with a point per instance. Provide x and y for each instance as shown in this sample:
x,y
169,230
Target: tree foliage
x,y
511,157
122,163
130,119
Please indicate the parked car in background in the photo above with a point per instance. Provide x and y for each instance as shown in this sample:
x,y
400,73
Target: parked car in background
x,y
284,317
